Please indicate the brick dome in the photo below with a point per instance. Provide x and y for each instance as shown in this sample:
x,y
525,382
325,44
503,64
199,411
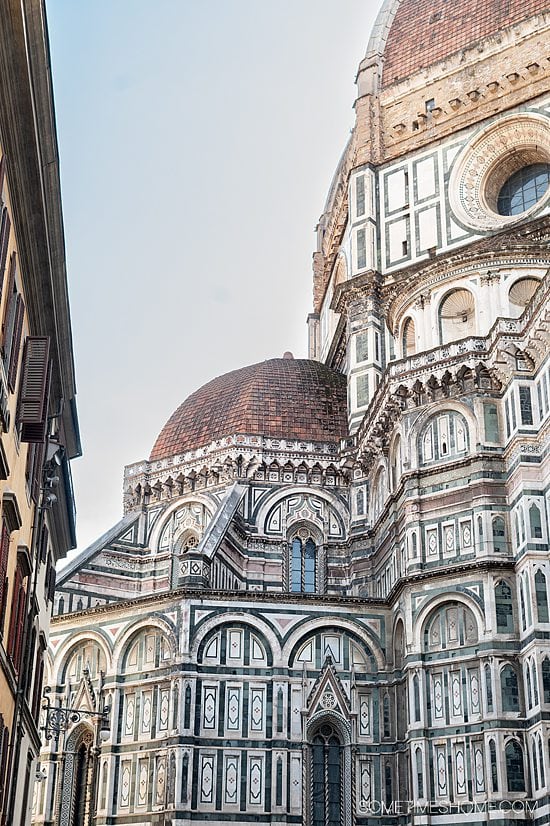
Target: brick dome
x,y
424,32
285,398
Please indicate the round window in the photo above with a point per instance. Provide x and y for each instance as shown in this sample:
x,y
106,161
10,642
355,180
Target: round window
x,y
503,174
523,189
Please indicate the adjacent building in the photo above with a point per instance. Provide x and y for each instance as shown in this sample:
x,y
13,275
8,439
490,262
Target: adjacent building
x,y
38,421
328,594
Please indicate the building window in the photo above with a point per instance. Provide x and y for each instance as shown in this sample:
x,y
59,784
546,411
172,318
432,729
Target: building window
x,y
535,522
525,404
303,565
360,196
361,249
542,596
503,605
489,687
326,777
545,668
493,761
499,534
509,689
408,338
523,189
419,772
514,767
490,417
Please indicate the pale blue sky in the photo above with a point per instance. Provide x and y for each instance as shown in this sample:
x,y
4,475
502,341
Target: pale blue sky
x,y
197,140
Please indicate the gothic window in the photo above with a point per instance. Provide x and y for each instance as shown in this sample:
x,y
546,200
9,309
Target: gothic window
x,y
534,683
386,716
499,534
419,772
546,679
509,689
450,626
525,405
416,698
326,760
542,596
444,436
303,564
489,687
541,762
493,761
187,707
514,767
388,783
408,339
360,502
503,605
456,316
535,522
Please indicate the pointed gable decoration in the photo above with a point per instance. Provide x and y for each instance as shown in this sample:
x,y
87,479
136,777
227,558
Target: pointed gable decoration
x,y
85,698
328,693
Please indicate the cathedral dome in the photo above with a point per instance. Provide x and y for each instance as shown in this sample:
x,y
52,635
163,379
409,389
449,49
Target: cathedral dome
x,y
280,398
423,33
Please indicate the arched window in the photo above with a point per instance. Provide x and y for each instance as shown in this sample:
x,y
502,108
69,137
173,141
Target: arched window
x,y
503,605
489,687
542,596
326,762
535,766
514,767
416,698
509,689
534,522
303,564
408,338
528,683
444,436
386,716
493,761
457,316
419,772
534,683
499,534
545,668
541,763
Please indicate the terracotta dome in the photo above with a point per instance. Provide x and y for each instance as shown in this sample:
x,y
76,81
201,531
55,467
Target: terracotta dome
x,y
284,398
424,32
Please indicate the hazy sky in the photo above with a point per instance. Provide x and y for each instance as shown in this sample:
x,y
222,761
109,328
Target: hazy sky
x,y
198,139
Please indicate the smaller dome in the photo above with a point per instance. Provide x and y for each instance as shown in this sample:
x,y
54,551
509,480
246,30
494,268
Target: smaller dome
x,y
283,398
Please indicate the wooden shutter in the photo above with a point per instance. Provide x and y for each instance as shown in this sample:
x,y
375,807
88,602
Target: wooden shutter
x,y
32,410
4,552
10,298
5,225
14,618
15,344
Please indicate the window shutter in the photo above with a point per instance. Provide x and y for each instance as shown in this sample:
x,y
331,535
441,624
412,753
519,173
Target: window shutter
x,y
9,306
2,174
5,225
32,411
15,343
4,552
14,615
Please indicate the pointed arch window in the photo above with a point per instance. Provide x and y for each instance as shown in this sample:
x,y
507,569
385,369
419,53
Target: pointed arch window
x,y
499,534
503,604
542,596
408,340
326,761
493,762
303,565
545,668
509,689
535,523
514,767
489,687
